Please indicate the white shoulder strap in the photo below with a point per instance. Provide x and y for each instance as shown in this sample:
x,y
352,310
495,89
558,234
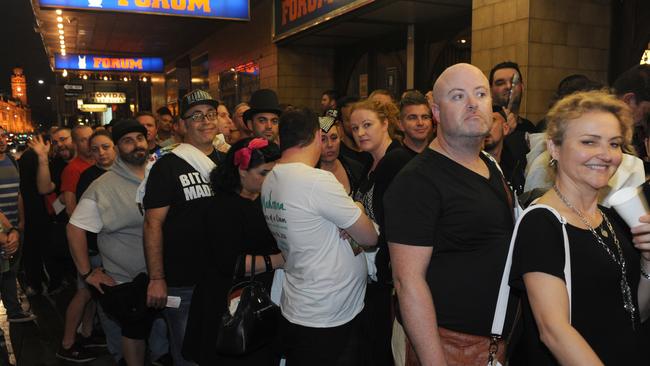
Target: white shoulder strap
x,y
504,289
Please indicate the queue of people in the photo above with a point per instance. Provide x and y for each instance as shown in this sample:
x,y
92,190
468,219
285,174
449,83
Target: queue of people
x,y
391,232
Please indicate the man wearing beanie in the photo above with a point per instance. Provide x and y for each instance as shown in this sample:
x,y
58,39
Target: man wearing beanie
x,y
107,208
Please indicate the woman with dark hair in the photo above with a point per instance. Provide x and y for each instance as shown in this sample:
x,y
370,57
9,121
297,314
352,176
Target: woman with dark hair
x,y
237,224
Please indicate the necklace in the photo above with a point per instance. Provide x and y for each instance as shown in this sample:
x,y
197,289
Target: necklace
x,y
628,304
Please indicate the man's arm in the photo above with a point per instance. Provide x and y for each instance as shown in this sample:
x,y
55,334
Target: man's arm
x,y
70,201
153,252
416,304
78,244
363,231
43,180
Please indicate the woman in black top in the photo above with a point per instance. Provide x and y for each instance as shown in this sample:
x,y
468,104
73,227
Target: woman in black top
x,y
371,124
597,322
236,224
346,170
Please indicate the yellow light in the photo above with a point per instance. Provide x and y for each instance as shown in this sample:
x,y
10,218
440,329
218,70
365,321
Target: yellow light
x,y
58,12
65,73
59,19
61,31
62,42
61,37
60,26
63,53
62,47
144,78
125,79
105,78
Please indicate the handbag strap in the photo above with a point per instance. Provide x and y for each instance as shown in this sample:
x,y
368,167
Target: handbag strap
x,y
504,289
240,267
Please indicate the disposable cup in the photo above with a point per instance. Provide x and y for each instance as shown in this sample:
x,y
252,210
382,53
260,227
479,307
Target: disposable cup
x,y
630,203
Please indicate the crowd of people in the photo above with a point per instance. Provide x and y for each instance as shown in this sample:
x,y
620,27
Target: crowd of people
x,y
437,229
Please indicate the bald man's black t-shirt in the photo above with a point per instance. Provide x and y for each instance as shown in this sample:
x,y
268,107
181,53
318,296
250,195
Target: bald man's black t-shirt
x,y
467,220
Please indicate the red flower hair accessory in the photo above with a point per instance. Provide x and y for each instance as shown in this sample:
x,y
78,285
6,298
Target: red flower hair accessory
x,y
243,155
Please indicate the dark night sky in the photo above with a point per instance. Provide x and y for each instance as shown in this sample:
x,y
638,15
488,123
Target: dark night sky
x,y
23,47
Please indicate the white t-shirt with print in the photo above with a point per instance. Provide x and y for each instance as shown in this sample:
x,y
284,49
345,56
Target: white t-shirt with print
x,y
325,282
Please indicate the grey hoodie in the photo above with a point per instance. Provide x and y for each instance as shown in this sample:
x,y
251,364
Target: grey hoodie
x,y
120,238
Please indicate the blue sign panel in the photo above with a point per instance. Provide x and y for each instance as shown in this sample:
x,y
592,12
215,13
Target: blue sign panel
x,y
225,9
108,63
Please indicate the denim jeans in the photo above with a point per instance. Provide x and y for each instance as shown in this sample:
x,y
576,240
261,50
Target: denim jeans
x,y
177,321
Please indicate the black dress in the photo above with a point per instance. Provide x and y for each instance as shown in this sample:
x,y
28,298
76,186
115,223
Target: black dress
x,y
596,303
235,226
378,319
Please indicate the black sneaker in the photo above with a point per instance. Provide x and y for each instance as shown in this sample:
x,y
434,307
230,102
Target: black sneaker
x,y
22,317
76,354
92,341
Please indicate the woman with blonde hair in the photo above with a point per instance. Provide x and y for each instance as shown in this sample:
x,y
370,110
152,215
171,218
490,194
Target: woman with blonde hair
x,y
585,288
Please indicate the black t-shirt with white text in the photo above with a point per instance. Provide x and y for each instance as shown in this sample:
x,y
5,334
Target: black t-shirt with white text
x,y
467,219
175,183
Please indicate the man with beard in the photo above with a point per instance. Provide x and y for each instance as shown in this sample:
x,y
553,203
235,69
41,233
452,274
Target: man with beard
x,y
416,122
107,209
500,128
48,182
449,215
177,196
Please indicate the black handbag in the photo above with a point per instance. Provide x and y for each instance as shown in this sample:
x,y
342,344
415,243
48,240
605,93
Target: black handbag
x,y
254,323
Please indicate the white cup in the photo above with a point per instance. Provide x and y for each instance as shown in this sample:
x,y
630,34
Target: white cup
x,y
630,203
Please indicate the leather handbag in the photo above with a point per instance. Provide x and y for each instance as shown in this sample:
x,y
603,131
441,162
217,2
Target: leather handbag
x,y
253,323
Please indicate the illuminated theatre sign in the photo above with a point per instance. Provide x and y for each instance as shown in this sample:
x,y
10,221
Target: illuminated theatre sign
x,y
221,9
294,16
108,63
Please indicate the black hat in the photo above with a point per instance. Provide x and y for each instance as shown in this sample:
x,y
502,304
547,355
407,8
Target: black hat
x,y
124,126
263,101
196,97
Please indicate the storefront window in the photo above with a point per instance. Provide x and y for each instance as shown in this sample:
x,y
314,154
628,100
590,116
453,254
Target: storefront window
x,y
237,84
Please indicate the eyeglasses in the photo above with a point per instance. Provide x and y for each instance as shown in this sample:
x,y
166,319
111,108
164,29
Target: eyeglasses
x,y
199,116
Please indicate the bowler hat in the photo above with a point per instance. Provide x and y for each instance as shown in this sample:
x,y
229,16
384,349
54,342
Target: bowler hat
x,y
263,101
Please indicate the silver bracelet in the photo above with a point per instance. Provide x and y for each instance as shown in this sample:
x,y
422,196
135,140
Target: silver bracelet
x,y
644,274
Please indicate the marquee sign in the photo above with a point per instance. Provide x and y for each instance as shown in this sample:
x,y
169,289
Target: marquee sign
x,y
294,16
108,63
222,9
107,97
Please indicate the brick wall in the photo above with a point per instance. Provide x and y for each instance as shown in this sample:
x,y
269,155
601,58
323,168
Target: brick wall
x,y
550,39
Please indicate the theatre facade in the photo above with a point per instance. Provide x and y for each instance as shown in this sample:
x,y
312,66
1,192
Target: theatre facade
x,y
302,47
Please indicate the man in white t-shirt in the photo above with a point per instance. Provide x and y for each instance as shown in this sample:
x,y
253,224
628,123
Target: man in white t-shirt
x,y
319,230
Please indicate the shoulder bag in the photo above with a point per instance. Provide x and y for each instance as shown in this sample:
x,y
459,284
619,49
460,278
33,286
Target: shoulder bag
x,y
253,322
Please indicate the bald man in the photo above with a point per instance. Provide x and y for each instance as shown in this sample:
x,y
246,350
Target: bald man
x,y
447,300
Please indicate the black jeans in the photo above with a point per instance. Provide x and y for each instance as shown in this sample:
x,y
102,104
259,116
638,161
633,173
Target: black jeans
x,y
336,346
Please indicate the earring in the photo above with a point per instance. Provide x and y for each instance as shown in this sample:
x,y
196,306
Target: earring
x,y
552,163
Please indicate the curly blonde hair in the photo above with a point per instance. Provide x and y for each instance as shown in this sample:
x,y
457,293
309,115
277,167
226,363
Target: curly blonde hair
x,y
575,105
385,111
